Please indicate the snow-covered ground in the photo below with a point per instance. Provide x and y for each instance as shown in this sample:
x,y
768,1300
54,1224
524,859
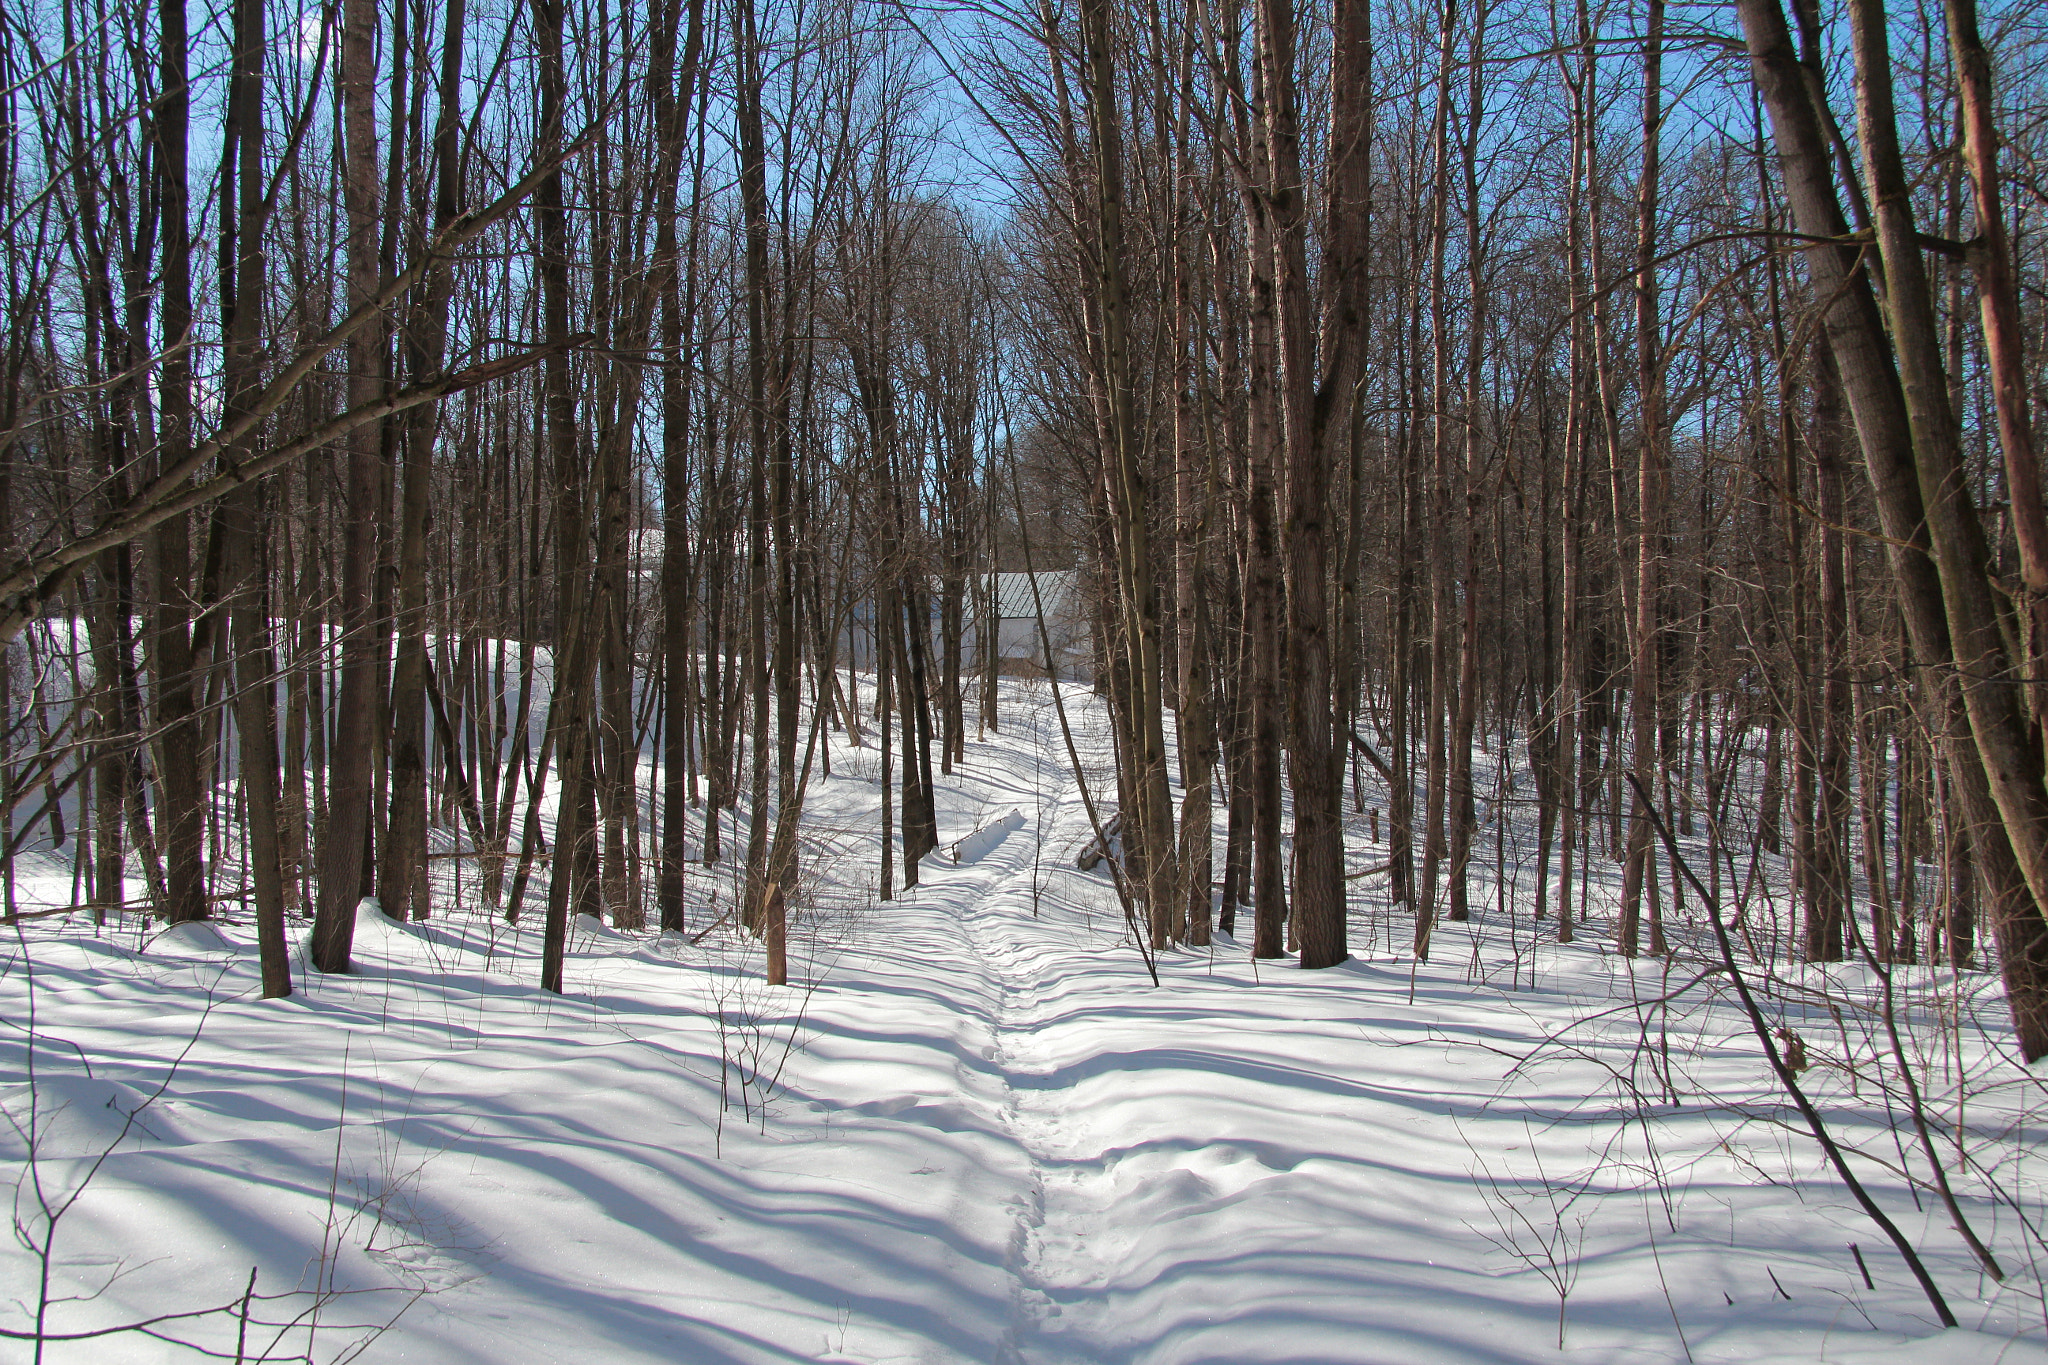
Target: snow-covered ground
x,y
974,1132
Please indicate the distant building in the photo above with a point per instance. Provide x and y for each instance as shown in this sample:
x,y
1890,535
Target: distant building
x,y
1019,646
1019,650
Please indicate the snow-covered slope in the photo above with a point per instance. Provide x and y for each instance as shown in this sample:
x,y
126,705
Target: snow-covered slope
x,y
974,1133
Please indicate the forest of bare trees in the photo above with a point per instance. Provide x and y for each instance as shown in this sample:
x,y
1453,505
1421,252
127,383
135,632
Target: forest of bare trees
x,y
418,417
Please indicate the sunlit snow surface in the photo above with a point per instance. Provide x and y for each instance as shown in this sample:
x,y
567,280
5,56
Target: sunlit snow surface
x,y
975,1133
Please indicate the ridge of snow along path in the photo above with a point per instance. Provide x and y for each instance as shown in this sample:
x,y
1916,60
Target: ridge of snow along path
x,y
978,1136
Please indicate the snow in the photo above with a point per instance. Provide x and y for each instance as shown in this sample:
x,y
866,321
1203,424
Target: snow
x,y
980,843
198,938
971,1131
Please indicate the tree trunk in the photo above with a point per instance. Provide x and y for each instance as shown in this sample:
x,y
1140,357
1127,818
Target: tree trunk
x,y
2004,338
342,858
1899,401
1315,760
402,884
672,100
1652,475
182,805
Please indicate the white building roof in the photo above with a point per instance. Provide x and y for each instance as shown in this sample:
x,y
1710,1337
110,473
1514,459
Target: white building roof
x,y
1059,589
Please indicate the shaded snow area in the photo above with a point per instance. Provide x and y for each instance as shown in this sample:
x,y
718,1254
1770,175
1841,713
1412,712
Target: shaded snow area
x,y
974,1133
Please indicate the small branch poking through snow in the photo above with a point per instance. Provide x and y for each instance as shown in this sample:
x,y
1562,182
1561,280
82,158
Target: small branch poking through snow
x,y
1786,1078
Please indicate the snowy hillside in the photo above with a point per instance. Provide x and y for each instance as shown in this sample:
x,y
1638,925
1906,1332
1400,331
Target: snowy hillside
x,y
973,1133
